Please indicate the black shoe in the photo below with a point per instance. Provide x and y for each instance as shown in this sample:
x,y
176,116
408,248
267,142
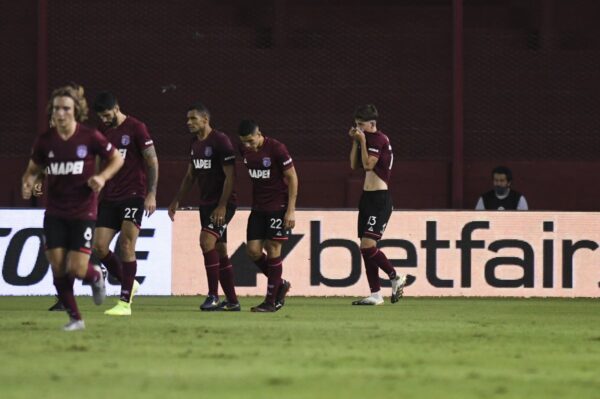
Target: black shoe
x,y
283,290
228,307
264,307
57,307
210,303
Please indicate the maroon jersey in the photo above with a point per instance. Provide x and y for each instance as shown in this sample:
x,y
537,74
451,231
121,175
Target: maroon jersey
x,y
131,138
378,145
207,158
266,167
69,164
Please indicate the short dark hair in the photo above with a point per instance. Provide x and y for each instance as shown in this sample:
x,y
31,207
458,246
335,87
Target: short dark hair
x,y
366,112
503,170
247,127
201,108
104,101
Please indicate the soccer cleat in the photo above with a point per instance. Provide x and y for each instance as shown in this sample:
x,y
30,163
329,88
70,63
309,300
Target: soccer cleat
x,y
398,287
74,325
210,303
99,287
264,307
283,290
370,301
120,309
134,290
228,307
57,307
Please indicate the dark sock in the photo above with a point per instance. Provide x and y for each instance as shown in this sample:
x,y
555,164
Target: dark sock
x,y
92,275
64,288
226,279
371,268
275,267
384,264
262,265
129,271
211,263
113,265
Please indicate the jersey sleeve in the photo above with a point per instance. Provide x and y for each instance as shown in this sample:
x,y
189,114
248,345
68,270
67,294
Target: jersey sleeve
x,y
142,137
102,147
282,157
226,151
374,146
38,155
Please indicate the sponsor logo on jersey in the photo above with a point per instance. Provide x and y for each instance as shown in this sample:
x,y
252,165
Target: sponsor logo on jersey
x,y
202,163
51,154
208,151
289,161
125,139
266,162
82,151
260,173
65,168
123,152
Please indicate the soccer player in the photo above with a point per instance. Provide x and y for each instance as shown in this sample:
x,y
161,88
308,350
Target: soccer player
x,y
68,153
130,194
274,192
212,165
372,151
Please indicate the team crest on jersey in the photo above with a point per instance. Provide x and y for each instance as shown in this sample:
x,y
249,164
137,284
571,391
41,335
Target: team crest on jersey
x,y
266,162
125,139
208,151
82,151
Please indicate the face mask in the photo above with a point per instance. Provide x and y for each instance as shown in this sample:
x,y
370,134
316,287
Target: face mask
x,y
500,191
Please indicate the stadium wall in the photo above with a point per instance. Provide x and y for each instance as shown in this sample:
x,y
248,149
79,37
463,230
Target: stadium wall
x,y
521,254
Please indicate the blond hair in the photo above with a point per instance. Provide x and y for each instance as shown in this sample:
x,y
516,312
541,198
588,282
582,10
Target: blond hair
x,y
76,93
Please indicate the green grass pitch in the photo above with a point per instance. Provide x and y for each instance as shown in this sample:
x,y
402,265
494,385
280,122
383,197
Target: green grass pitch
x,y
312,348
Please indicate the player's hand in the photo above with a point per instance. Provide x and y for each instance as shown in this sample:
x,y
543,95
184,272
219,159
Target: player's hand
x,y
26,190
289,220
96,183
150,204
173,209
38,190
356,134
218,215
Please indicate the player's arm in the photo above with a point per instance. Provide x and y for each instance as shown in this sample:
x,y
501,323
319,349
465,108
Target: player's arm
x,y
184,188
29,179
368,161
289,220
218,215
151,161
114,163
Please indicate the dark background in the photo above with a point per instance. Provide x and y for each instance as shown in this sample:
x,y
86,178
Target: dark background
x,y
299,67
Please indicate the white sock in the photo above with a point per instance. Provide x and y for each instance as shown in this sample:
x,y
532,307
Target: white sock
x,y
376,295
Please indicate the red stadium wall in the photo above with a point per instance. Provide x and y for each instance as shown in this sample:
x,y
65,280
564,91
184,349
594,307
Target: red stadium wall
x,y
299,67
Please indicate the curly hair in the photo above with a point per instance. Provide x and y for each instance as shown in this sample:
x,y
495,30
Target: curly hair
x,y
76,93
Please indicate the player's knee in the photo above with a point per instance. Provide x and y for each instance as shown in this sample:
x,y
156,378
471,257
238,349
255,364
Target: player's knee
x,y
273,249
222,250
126,247
100,250
254,253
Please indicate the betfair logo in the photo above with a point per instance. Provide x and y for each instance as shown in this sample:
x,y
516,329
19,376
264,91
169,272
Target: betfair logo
x,y
202,163
65,168
260,173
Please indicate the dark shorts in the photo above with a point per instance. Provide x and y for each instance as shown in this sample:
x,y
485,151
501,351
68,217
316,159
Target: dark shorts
x,y
112,214
267,225
207,225
74,235
374,211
